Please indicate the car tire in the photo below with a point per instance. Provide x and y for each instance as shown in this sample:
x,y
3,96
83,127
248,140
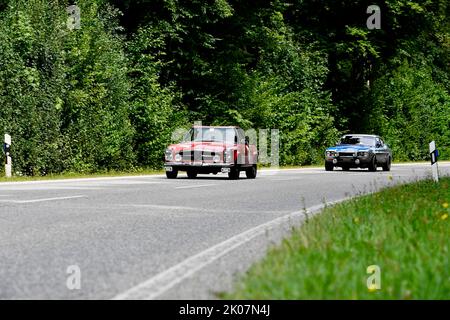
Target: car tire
x,y
233,174
191,174
387,165
329,166
373,164
251,172
172,174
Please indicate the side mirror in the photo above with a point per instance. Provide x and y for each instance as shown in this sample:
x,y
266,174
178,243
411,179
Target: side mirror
x,y
247,140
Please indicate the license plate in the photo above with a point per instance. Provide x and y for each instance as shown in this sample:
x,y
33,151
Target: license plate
x,y
225,170
168,169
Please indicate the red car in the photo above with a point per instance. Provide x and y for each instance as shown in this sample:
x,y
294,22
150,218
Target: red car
x,y
208,149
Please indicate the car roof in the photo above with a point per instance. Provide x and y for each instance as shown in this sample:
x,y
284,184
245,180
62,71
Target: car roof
x,y
219,127
361,135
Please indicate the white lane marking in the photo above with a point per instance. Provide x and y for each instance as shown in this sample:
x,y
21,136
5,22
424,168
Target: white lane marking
x,y
425,164
207,210
41,200
286,179
156,206
47,188
70,180
164,281
195,186
128,182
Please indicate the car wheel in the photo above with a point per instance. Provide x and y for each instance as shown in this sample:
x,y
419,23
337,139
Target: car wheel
x,y
191,174
251,172
172,174
387,165
329,166
373,164
233,174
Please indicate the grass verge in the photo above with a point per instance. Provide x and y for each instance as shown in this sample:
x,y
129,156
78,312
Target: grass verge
x,y
404,230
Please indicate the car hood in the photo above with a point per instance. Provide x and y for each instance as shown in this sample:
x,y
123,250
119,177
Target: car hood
x,y
349,148
201,146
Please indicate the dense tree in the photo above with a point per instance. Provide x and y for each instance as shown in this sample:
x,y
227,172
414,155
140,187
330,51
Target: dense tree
x,y
410,109
63,92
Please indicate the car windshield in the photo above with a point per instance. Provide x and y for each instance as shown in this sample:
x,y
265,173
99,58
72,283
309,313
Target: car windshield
x,y
226,135
367,141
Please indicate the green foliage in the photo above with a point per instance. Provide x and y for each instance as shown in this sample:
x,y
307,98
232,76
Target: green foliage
x,y
153,110
32,73
96,93
287,93
410,109
66,94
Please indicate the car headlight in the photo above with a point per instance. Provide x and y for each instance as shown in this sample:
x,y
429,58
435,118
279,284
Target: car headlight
x,y
178,157
228,155
216,158
168,155
330,153
363,154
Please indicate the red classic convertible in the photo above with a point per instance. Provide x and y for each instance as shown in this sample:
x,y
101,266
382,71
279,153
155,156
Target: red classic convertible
x,y
207,149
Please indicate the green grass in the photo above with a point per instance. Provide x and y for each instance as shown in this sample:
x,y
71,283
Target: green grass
x,y
404,230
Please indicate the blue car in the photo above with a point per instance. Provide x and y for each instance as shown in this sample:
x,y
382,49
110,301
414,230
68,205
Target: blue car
x,y
359,151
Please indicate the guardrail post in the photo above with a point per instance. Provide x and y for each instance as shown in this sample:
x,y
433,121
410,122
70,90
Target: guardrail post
x,y
434,154
7,151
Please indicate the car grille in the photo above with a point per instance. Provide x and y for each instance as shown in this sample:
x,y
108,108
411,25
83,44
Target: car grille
x,y
206,156
346,154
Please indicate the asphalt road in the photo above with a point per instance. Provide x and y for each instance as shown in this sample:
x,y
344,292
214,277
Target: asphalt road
x,y
148,237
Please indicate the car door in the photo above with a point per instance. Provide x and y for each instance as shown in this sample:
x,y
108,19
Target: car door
x,y
378,150
381,151
243,147
386,150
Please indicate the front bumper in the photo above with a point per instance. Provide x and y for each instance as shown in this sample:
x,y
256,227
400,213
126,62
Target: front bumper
x,y
199,167
351,162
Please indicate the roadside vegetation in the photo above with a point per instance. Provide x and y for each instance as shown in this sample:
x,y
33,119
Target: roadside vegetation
x,y
403,229
109,95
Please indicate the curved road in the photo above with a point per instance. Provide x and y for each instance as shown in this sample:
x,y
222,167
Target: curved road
x,y
147,237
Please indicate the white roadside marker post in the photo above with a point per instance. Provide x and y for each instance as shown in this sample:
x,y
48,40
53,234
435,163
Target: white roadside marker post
x,y
7,150
434,165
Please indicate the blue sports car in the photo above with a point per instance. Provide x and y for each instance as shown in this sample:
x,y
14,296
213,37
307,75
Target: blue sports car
x,y
359,151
